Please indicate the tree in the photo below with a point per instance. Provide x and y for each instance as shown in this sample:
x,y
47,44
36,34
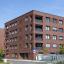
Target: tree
x,y
61,51
45,51
1,54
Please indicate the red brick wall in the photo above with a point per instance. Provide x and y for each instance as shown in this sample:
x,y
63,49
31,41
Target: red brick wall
x,y
2,38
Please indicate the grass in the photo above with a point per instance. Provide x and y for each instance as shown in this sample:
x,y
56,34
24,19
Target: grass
x,y
60,62
1,62
4,63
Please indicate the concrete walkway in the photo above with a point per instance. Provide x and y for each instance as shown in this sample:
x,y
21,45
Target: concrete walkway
x,y
12,61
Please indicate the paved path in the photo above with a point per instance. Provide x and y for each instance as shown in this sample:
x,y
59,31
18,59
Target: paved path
x,y
26,62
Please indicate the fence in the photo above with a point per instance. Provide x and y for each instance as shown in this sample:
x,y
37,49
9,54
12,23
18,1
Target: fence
x,y
50,57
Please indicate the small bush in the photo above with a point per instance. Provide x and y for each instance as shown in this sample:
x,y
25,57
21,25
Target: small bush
x,y
61,62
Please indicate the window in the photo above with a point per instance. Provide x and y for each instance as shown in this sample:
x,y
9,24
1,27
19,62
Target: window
x,y
26,45
60,29
26,19
7,40
60,22
30,27
26,37
15,31
31,46
12,25
12,32
54,29
60,37
26,28
7,27
47,36
54,45
47,28
38,44
15,23
48,45
54,20
15,39
10,40
30,36
54,37
47,19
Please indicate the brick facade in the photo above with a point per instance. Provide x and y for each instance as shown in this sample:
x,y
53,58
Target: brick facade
x,y
30,34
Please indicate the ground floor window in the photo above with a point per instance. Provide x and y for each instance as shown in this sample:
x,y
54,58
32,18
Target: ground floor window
x,y
24,55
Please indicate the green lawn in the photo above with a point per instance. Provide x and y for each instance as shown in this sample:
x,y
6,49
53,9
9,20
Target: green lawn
x,y
4,63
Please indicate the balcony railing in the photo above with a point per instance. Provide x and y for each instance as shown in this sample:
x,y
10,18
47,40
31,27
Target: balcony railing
x,y
38,29
38,20
38,39
39,48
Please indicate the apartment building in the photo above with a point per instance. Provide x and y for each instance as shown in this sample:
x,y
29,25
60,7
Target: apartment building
x,y
34,33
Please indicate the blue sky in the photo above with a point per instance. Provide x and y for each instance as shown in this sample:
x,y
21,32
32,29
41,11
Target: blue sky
x,y
10,9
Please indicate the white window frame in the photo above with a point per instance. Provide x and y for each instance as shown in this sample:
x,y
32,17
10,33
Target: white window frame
x,y
47,28
47,36
60,37
54,45
54,37
54,29
60,22
47,45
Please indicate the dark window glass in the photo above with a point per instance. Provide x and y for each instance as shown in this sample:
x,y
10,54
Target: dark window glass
x,y
38,44
60,29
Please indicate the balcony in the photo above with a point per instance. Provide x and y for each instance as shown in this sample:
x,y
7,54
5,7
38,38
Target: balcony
x,y
38,37
38,28
38,19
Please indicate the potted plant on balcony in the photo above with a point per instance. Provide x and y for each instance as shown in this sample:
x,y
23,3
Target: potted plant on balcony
x,y
61,49
45,51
